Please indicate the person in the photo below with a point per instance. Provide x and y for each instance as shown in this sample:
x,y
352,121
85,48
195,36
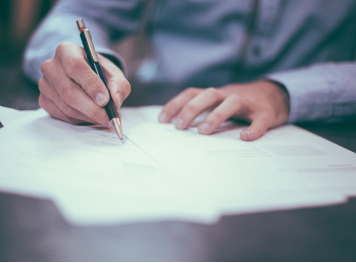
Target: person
x,y
267,62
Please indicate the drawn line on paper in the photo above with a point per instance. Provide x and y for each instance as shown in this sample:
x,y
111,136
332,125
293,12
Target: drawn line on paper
x,y
127,138
162,164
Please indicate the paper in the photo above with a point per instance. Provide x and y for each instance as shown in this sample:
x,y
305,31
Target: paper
x,y
8,115
161,173
91,175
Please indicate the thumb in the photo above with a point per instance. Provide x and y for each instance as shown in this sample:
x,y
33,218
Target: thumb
x,y
120,89
257,128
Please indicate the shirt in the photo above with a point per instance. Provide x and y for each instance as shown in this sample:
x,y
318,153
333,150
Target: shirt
x,y
306,45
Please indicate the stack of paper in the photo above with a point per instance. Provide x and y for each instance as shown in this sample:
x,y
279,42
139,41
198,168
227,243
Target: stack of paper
x,y
161,173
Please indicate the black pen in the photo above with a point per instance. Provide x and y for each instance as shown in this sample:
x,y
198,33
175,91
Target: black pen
x,y
94,64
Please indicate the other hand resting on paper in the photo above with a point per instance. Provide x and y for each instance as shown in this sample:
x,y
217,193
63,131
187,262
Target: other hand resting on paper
x,y
71,91
262,103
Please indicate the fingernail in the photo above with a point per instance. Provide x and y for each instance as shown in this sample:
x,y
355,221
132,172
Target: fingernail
x,y
204,127
179,123
245,134
119,98
162,117
100,99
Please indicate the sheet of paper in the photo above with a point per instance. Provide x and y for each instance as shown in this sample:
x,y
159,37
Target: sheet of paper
x,y
287,157
8,115
161,173
91,175
287,163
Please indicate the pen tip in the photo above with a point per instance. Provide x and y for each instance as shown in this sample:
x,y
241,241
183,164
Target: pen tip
x,y
117,127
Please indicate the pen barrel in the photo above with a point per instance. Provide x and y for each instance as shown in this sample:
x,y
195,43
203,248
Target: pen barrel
x,y
110,106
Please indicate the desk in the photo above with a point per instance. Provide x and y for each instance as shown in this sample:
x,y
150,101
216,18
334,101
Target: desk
x,y
33,230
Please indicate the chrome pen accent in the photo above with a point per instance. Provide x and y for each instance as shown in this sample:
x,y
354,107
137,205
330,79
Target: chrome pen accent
x,y
117,126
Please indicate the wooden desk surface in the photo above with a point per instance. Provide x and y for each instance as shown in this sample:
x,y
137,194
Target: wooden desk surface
x,y
33,230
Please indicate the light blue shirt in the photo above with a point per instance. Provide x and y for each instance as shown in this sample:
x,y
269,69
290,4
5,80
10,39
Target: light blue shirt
x,y
306,45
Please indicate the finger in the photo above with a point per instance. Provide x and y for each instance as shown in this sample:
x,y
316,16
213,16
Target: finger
x,y
50,92
73,61
228,108
258,127
49,106
72,94
118,85
173,107
203,101
119,88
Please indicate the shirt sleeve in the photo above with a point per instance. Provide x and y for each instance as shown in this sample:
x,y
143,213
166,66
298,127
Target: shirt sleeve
x,y
107,20
321,92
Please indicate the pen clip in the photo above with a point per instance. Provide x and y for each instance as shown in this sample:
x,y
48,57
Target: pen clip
x,y
90,45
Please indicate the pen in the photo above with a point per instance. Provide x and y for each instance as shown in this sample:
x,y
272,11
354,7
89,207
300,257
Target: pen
x,y
94,64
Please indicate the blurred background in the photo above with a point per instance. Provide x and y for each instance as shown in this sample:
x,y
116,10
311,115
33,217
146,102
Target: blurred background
x,y
18,19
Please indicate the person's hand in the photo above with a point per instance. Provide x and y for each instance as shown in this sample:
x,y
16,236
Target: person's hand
x,y
72,92
262,103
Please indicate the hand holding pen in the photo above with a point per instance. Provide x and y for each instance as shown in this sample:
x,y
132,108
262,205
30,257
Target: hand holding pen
x,y
72,92
95,66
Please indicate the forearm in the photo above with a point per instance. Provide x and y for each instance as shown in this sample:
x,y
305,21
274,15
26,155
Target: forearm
x,y
325,92
103,19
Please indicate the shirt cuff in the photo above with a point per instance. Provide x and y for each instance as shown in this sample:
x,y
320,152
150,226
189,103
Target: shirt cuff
x,y
309,94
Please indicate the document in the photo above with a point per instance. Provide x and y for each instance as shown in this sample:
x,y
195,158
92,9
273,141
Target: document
x,y
161,173
8,115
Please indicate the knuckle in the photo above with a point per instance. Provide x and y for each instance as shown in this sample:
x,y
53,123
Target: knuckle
x,y
45,67
62,48
125,84
171,107
59,49
191,91
69,111
211,92
235,99
92,83
68,96
94,115
41,83
42,101
190,108
72,65
45,89
218,116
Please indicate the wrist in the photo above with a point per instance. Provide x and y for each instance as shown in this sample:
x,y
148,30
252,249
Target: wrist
x,y
283,93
